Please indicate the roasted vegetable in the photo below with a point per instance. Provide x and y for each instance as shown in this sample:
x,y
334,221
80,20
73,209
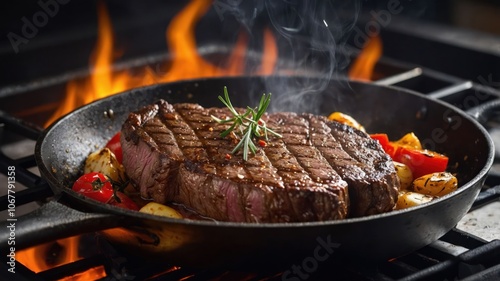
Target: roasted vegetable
x,y
97,186
115,146
121,200
404,174
94,185
421,161
408,151
346,119
408,199
105,162
435,184
409,140
160,210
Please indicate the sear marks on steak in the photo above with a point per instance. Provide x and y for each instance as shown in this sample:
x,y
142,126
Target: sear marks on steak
x,y
319,170
368,171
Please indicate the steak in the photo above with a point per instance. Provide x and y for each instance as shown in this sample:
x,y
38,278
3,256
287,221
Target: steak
x,y
318,170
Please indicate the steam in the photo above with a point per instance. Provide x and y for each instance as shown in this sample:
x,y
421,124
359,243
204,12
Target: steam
x,y
311,37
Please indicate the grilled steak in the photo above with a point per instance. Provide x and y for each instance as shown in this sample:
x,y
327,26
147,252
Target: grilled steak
x,y
318,170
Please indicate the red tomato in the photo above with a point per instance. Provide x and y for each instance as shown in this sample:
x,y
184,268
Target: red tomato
x,y
116,147
123,201
94,185
421,162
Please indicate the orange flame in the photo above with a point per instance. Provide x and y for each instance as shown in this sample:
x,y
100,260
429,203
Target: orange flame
x,y
364,65
186,62
41,258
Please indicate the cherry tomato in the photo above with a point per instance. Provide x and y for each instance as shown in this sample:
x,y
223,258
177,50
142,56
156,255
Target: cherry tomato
x,y
94,185
123,201
116,147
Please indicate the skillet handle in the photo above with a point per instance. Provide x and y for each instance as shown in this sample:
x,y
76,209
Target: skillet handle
x,y
482,113
51,221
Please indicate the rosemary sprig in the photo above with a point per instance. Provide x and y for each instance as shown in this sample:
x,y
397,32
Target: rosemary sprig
x,y
247,126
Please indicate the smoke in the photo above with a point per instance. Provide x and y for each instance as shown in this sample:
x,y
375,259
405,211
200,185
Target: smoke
x,y
314,31
311,38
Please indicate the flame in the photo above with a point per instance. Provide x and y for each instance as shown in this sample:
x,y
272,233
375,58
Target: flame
x,y
186,62
362,68
53,254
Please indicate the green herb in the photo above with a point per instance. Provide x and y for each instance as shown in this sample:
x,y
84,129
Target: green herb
x,y
247,126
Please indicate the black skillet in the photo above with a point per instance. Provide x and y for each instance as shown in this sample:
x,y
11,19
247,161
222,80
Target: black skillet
x,y
62,148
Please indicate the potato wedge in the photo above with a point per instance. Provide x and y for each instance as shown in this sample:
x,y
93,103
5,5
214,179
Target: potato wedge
x,y
160,210
404,174
435,184
408,199
104,161
345,119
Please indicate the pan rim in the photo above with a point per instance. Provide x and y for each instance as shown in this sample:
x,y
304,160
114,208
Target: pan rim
x,y
116,211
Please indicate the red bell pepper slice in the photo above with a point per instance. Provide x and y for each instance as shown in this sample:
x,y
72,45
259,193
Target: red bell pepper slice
x,y
421,161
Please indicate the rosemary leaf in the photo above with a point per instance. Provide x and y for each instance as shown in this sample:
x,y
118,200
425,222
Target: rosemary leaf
x,y
247,126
